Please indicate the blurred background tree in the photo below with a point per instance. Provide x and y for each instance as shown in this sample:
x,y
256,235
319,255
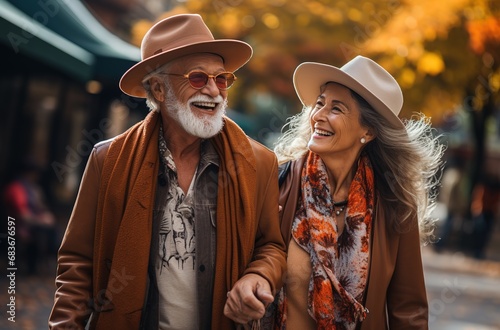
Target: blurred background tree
x,y
444,54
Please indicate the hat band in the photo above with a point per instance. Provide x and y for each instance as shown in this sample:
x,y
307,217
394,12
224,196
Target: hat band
x,y
181,42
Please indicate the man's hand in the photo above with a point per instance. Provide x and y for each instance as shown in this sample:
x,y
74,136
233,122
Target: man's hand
x,y
248,299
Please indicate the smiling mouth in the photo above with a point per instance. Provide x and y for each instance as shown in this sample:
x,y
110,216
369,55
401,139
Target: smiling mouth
x,y
322,132
206,106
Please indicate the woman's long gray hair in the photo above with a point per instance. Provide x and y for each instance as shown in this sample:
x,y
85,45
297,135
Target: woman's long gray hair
x,y
407,163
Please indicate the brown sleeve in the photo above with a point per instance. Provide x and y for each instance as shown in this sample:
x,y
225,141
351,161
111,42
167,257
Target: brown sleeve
x,y
406,295
269,257
72,306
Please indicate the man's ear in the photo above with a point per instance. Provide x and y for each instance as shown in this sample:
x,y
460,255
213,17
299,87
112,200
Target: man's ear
x,y
158,89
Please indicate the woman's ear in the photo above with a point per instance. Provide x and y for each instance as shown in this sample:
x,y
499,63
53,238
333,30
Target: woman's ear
x,y
369,136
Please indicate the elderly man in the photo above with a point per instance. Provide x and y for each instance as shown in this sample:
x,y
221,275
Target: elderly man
x,y
176,222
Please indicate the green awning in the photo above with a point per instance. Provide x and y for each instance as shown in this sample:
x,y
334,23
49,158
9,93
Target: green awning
x,y
72,20
23,35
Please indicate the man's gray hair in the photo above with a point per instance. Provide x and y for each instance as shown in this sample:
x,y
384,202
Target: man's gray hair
x,y
159,73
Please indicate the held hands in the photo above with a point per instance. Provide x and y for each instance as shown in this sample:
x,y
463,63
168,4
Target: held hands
x,y
248,299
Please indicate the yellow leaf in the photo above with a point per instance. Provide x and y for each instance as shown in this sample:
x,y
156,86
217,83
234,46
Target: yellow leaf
x,y
407,78
271,21
430,63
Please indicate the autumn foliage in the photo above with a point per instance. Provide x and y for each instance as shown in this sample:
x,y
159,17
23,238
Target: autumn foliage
x,y
435,49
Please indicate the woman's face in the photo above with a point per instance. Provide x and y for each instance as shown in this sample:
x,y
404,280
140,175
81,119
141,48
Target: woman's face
x,y
335,122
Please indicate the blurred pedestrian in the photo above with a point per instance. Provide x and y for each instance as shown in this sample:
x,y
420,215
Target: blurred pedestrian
x,y
356,202
176,222
484,210
452,195
36,229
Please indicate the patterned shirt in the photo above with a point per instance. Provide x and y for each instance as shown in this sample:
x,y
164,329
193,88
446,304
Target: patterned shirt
x,y
177,266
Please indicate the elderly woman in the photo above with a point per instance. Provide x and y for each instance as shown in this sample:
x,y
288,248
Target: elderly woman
x,y
355,202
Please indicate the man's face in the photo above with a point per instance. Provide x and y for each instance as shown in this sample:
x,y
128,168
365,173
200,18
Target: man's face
x,y
198,111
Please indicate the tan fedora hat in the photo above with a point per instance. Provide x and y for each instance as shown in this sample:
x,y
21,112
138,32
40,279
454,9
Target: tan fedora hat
x,y
177,36
362,75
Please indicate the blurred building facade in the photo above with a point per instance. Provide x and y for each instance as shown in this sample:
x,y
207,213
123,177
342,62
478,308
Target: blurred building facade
x,y
59,86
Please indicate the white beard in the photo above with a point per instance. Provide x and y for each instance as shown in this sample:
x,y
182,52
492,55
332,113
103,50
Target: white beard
x,y
204,126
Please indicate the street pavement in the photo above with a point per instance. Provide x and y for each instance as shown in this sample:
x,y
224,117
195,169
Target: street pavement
x,y
463,294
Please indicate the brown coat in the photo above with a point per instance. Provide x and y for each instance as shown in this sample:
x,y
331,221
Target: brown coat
x,y
395,295
103,259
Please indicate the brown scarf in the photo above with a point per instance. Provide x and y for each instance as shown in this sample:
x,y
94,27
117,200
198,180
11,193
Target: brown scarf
x,y
339,263
124,221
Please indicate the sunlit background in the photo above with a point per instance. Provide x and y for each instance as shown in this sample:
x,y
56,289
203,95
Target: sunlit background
x,y
61,62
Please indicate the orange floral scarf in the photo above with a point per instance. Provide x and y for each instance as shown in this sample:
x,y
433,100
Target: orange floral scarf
x,y
339,263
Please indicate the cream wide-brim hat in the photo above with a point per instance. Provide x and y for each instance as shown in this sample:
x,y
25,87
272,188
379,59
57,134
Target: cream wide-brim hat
x,y
362,75
178,36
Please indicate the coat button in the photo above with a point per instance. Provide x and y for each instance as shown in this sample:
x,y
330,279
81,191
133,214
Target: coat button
x,y
202,268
